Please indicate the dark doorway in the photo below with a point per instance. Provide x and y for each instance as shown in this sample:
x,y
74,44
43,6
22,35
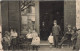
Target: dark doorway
x,y
50,11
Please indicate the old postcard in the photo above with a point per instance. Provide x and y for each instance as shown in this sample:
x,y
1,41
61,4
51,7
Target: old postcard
x,y
39,25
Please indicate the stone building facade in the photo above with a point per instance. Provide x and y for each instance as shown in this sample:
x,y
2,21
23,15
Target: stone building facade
x,y
11,15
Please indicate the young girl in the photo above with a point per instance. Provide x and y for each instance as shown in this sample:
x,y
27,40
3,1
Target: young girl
x,y
35,41
50,39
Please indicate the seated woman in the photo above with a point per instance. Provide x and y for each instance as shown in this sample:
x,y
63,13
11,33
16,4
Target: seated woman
x,y
67,35
13,39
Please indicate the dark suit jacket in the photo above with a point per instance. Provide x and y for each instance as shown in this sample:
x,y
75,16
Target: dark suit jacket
x,y
56,30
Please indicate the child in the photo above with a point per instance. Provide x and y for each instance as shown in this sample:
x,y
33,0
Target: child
x,y
14,39
50,39
35,42
29,36
6,41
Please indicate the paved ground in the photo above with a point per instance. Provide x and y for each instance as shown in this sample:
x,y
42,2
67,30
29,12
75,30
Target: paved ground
x,y
44,46
47,48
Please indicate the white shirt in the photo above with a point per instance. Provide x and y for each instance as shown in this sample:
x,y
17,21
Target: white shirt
x,y
14,34
34,34
29,35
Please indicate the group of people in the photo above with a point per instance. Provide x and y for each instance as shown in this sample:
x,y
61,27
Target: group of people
x,y
71,33
9,39
54,36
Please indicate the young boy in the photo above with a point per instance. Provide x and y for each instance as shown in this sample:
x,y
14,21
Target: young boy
x,y
50,39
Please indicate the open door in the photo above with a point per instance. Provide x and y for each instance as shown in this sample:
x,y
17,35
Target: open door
x,y
50,11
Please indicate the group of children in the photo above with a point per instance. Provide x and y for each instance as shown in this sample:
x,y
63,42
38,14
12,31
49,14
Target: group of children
x,y
8,39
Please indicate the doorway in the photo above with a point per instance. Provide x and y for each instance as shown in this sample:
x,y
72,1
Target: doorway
x,y
50,11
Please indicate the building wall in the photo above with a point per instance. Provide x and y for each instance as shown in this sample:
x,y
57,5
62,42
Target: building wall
x,y
10,15
11,12
14,16
70,13
78,14
0,13
37,18
0,19
4,14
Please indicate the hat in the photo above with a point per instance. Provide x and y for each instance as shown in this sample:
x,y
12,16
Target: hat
x,y
55,21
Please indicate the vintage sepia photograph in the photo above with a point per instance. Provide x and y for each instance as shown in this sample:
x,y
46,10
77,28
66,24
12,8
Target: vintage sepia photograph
x,y
40,25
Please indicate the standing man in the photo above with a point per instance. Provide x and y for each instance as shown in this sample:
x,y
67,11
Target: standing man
x,y
55,30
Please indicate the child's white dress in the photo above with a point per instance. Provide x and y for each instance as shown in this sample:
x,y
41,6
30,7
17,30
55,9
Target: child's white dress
x,y
50,39
36,41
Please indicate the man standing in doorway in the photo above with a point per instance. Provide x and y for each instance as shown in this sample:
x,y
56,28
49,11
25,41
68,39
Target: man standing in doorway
x,y
55,30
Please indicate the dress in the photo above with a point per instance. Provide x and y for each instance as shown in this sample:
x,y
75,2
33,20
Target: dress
x,y
36,41
50,39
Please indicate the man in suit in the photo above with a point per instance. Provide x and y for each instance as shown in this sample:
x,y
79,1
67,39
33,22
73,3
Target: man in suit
x,y
55,30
